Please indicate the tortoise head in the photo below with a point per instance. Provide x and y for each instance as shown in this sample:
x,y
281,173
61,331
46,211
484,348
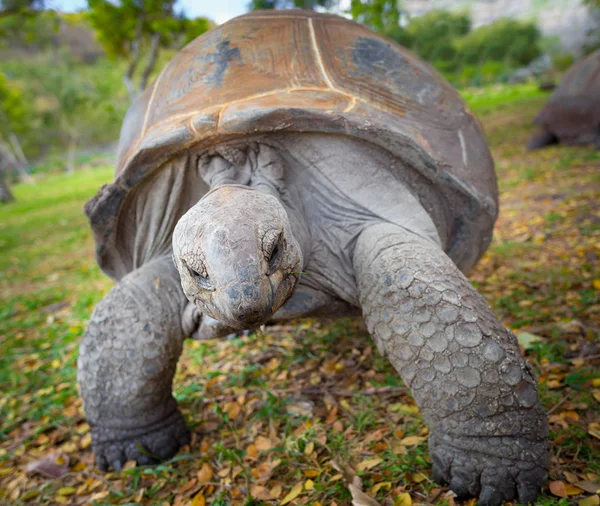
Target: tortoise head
x,y
236,255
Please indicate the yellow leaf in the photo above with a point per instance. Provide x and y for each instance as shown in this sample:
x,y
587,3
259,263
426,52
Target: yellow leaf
x,y
80,466
572,489
412,440
198,500
336,477
309,485
66,491
86,441
419,477
593,500
32,494
309,448
368,464
311,473
292,494
596,382
345,404
276,491
205,475
596,284
596,394
378,486
403,499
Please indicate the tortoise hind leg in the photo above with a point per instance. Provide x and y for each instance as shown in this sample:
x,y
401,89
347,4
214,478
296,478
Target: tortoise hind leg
x,y
127,360
541,138
488,430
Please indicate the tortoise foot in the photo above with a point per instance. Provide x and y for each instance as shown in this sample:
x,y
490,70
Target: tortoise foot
x,y
493,469
146,445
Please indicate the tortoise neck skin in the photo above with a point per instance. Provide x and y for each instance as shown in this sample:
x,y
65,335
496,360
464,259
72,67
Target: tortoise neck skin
x,y
237,255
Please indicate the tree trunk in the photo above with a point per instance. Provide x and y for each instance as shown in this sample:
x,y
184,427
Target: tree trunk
x,y
5,193
22,165
151,61
135,59
71,151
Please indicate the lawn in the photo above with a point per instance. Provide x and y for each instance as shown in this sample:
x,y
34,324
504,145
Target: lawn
x,y
291,415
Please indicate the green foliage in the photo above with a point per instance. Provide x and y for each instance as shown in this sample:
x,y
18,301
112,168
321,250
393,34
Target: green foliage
x,y
13,109
433,34
382,16
119,24
513,42
54,101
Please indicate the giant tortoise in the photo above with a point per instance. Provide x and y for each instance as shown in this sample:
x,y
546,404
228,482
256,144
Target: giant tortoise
x,y
572,115
291,164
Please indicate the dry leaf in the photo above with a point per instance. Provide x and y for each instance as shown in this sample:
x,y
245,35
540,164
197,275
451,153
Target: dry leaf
x,y
558,489
359,498
263,443
412,440
205,475
50,466
309,485
368,464
593,500
573,490
594,430
292,494
590,486
198,500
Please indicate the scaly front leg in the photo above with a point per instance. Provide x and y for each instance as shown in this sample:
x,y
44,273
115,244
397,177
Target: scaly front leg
x,y
488,430
127,360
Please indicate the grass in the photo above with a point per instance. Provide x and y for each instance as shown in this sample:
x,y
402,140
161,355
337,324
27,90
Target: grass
x,y
281,412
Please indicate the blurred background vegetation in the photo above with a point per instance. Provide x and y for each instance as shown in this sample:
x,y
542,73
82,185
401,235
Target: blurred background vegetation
x,y
67,79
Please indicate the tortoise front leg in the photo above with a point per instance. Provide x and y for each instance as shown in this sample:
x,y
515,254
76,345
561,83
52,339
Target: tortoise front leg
x,y
488,430
126,364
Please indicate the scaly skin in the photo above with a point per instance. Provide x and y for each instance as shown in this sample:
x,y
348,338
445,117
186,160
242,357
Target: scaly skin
x,y
127,360
488,430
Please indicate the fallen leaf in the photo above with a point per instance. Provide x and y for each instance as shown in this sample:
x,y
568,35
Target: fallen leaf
x,y
418,477
558,489
292,494
368,464
573,490
403,499
65,491
263,443
198,500
593,500
527,340
412,440
589,486
50,466
205,475
594,429
359,498
378,486
309,485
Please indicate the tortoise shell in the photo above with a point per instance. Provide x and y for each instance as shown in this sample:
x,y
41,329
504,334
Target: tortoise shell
x,y
573,112
298,71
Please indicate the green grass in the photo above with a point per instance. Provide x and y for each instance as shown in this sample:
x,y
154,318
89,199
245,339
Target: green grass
x,y
301,388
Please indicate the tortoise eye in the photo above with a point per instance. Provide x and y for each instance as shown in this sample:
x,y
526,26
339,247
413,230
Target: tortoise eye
x,y
275,256
200,278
